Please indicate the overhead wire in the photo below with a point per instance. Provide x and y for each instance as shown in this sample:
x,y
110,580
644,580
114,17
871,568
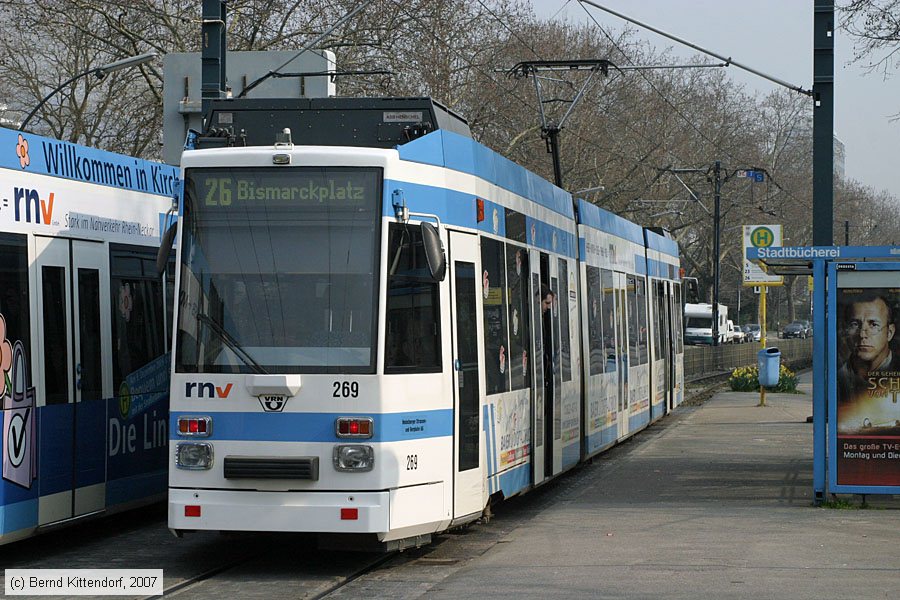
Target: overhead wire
x,y
667,101
647,79
637,163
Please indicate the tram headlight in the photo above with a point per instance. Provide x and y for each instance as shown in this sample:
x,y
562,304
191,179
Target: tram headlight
x,y
354,457
194,456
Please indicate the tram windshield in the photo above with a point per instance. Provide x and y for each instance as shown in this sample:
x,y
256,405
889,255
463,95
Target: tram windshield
x,y
279,270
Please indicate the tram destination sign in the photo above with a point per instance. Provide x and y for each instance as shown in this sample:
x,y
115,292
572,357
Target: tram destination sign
x,y
283,187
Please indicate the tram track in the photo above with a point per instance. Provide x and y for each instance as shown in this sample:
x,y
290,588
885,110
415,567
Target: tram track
x,y
209,573
354,576
281,564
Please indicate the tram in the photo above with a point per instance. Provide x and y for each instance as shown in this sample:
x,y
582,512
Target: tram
x,y
383,327
84,366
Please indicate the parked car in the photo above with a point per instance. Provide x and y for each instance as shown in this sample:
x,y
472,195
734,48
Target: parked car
x,y
796,329
752,332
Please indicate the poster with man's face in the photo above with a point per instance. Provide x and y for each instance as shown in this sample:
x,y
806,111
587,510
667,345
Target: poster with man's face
x,y
868,378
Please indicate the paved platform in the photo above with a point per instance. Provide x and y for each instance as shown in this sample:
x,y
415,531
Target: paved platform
x,y
714,502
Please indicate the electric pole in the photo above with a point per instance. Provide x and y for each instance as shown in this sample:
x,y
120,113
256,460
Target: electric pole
x,y
715,176
717,182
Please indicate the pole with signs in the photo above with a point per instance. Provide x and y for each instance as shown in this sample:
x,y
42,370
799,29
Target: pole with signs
x,y
761,236
762,337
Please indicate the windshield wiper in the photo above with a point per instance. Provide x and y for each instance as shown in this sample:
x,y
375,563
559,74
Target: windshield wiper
x,y
231,343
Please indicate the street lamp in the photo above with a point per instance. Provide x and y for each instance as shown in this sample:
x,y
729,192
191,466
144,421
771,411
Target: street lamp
x,y
100,72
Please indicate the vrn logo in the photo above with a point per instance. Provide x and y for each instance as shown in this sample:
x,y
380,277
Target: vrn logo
x,y
206,390
35,209
272,403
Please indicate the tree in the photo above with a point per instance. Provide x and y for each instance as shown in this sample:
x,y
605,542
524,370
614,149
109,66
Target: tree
x,y
875,27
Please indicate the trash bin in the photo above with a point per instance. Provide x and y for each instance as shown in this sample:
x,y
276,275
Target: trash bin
x,y
769,363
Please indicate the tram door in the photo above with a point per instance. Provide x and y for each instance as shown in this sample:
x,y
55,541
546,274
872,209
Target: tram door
x,y
663,323
669,341
537,365
73,381
468,467
621,327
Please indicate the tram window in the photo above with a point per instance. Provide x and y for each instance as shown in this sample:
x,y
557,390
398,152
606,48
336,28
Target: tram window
x,y
640,291
679,323
517,270
137,312
14,300
608,316
665,321
538,362
653,318
413,338
515,225
632,320
557,380
88,326
278,282
56,352
661,330
565,346
493,288
170,294
468,444
595,322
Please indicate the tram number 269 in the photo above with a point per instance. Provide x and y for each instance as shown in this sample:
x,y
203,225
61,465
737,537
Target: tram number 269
x,y
412,462
345,389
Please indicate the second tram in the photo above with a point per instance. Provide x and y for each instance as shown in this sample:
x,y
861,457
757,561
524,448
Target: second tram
x,y
84,365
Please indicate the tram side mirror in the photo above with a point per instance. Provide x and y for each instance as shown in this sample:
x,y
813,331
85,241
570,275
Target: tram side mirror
x,y
165,247
434,252
691,290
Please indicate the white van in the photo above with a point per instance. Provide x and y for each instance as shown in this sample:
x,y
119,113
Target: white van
x,y
698,324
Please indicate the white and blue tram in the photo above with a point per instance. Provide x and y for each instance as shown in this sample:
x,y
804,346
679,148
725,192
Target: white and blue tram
x,y
384,335
84,364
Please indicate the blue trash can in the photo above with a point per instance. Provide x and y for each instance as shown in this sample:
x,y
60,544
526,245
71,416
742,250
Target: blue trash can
x,y
769,363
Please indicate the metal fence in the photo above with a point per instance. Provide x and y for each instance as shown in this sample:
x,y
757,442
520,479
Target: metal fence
x,y
706,360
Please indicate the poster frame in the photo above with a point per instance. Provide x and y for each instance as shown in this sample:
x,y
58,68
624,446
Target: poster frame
x,y
833,275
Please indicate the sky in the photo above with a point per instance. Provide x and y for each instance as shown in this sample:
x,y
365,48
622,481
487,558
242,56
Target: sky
x,y
774,37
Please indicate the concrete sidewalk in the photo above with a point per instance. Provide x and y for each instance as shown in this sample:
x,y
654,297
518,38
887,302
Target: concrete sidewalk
x,y
714,502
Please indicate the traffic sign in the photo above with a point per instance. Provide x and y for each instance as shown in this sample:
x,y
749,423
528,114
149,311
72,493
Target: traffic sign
x,y
758,176
760,236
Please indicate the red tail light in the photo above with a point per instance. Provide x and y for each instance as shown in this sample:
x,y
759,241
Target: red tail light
x,y
195,426
354,427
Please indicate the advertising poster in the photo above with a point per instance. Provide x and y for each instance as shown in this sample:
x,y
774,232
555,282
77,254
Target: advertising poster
x,y
868,379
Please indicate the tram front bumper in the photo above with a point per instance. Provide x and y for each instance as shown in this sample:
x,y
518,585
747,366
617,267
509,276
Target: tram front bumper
x,y
314,512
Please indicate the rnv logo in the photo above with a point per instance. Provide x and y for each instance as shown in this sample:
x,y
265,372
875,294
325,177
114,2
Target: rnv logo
x,y
206,390
36,209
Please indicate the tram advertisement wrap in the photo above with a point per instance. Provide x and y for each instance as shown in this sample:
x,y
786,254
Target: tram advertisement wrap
x,y
138,435
868,385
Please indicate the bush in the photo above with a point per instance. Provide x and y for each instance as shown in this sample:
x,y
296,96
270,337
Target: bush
x,y
746,379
